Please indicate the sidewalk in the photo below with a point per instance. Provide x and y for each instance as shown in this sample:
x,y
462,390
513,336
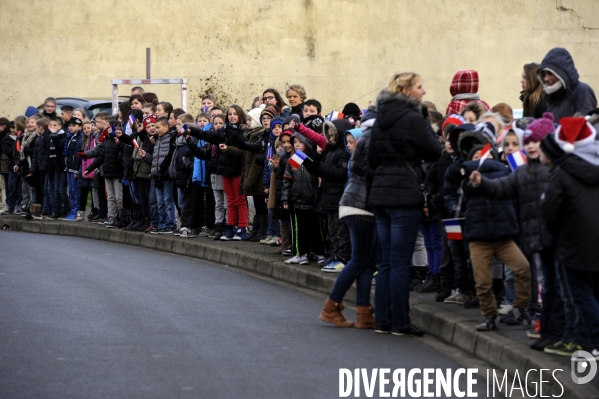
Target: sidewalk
x,y
506,348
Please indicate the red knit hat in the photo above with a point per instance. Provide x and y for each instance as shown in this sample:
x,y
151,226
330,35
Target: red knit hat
x,y
288,132
453,119
149,119
574,132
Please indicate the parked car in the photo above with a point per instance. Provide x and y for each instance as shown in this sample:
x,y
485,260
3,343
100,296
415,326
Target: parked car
x,y
91,105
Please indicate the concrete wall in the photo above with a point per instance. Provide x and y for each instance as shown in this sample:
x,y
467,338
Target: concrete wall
x,y
340,50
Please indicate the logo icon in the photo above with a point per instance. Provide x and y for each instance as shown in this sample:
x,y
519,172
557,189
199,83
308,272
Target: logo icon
x,y
583,363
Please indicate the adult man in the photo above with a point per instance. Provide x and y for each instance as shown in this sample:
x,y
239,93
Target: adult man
x,y
137,90
564,93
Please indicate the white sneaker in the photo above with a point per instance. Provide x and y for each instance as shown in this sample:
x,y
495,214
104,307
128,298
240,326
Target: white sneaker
x,y
333,267
304,260
266,240
505,309
295,260
183,232
79,217
453,297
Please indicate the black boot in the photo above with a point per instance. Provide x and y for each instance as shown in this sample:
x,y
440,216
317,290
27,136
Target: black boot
x,y
135,216
123,218
255,228
433,284
261,230
144,223
418,275
498,291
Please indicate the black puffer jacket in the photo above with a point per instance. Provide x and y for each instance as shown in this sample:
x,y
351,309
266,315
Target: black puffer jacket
x,y
527,184
252,172
486,219
575,96
299,185
569,208
435,179
183,165
227,163
108,155
333,167
37,159
400,131
55,149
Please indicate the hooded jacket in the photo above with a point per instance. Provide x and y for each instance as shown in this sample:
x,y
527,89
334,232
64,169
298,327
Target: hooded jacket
x,y
569,208
160,158
574,96
299,185
464,89
400,136
333,167
252,175
108,155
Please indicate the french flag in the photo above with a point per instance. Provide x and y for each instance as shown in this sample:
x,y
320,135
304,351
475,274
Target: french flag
x,y
517,159
134,141
334,115
484,154
132,120
297,159
453,228
269,153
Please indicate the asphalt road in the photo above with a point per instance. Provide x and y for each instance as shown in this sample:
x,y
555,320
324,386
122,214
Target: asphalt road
x,y
86,319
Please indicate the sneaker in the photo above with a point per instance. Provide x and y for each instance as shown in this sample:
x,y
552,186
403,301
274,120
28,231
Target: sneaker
x,y
167,231
109,223
287,252
17,211
409,330
535,333
333,267
517,317
325,261
293,261
102,221
553,349
488,325
79,217
7,212
443,294
96,219
505,309
153,230
542,343
228,236
276,242
178,231
71,217
464,298
241,235
266,240
37,216
304,260
472,304
203,231
182,232
382,329
569,349
211,233
189,232
315,258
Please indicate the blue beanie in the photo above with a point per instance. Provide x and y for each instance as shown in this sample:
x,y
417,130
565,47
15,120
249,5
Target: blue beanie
x,y
31,110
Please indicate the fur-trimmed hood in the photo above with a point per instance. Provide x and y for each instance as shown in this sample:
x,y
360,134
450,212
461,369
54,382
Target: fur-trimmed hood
x,y
394,106
470,142
338,127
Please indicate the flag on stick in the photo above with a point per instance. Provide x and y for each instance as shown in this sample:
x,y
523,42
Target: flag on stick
x,y
297,159
453,228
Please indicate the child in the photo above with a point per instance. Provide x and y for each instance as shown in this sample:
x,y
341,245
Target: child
x,y
184,162
85,183
273,232
108,155
142,171
208,102
11,182
149,109
202,195
38,169
72,146
490,229
333,171
299,196
311,107
27,142
279,165
527,184
160,160
216,182
66,112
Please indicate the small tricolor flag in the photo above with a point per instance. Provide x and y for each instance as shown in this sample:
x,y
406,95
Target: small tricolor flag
x,y
297,159
516,159
453,228
132,120
269,153
334,115
484,154
134,141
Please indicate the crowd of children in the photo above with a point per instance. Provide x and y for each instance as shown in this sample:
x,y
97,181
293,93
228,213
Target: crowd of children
x,y
502,208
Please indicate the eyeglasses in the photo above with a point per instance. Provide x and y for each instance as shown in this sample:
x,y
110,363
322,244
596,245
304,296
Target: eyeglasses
x,y
268,98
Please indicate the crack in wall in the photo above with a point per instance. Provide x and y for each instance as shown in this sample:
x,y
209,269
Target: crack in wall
x,y
559,7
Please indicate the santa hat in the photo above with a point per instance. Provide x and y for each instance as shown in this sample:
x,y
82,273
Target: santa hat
x,y
574,132
539,128
148,120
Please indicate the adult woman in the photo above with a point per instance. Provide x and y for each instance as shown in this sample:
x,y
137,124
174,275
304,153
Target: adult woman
x,y
401,140
273,97
531,95
296,95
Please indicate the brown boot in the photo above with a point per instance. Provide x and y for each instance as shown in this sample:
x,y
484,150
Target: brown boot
x,y
285,239
365,317
332,314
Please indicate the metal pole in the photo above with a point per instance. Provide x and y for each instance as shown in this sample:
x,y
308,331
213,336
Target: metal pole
x,y
148,63
184,96
115,99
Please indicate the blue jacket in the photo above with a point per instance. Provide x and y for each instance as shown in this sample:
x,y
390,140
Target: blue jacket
x,y
200,171
72,146
486,219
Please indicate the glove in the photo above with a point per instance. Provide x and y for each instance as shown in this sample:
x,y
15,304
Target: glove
x,y
103,136
81,155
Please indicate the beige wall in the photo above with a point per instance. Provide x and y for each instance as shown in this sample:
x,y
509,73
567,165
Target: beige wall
x,y
340,50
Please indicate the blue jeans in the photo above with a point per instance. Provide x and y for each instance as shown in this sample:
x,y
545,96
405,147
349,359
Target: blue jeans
x,y
49,186
397,229
60,187
73,191
432,242
464,277
12,187
361,267
166,204
584,287
572,332
273,225
154,216
135,190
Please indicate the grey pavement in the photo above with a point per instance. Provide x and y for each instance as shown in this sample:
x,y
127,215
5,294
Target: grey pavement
x,y
84,318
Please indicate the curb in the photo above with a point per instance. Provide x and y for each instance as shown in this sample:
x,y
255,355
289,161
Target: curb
x,y
498,350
